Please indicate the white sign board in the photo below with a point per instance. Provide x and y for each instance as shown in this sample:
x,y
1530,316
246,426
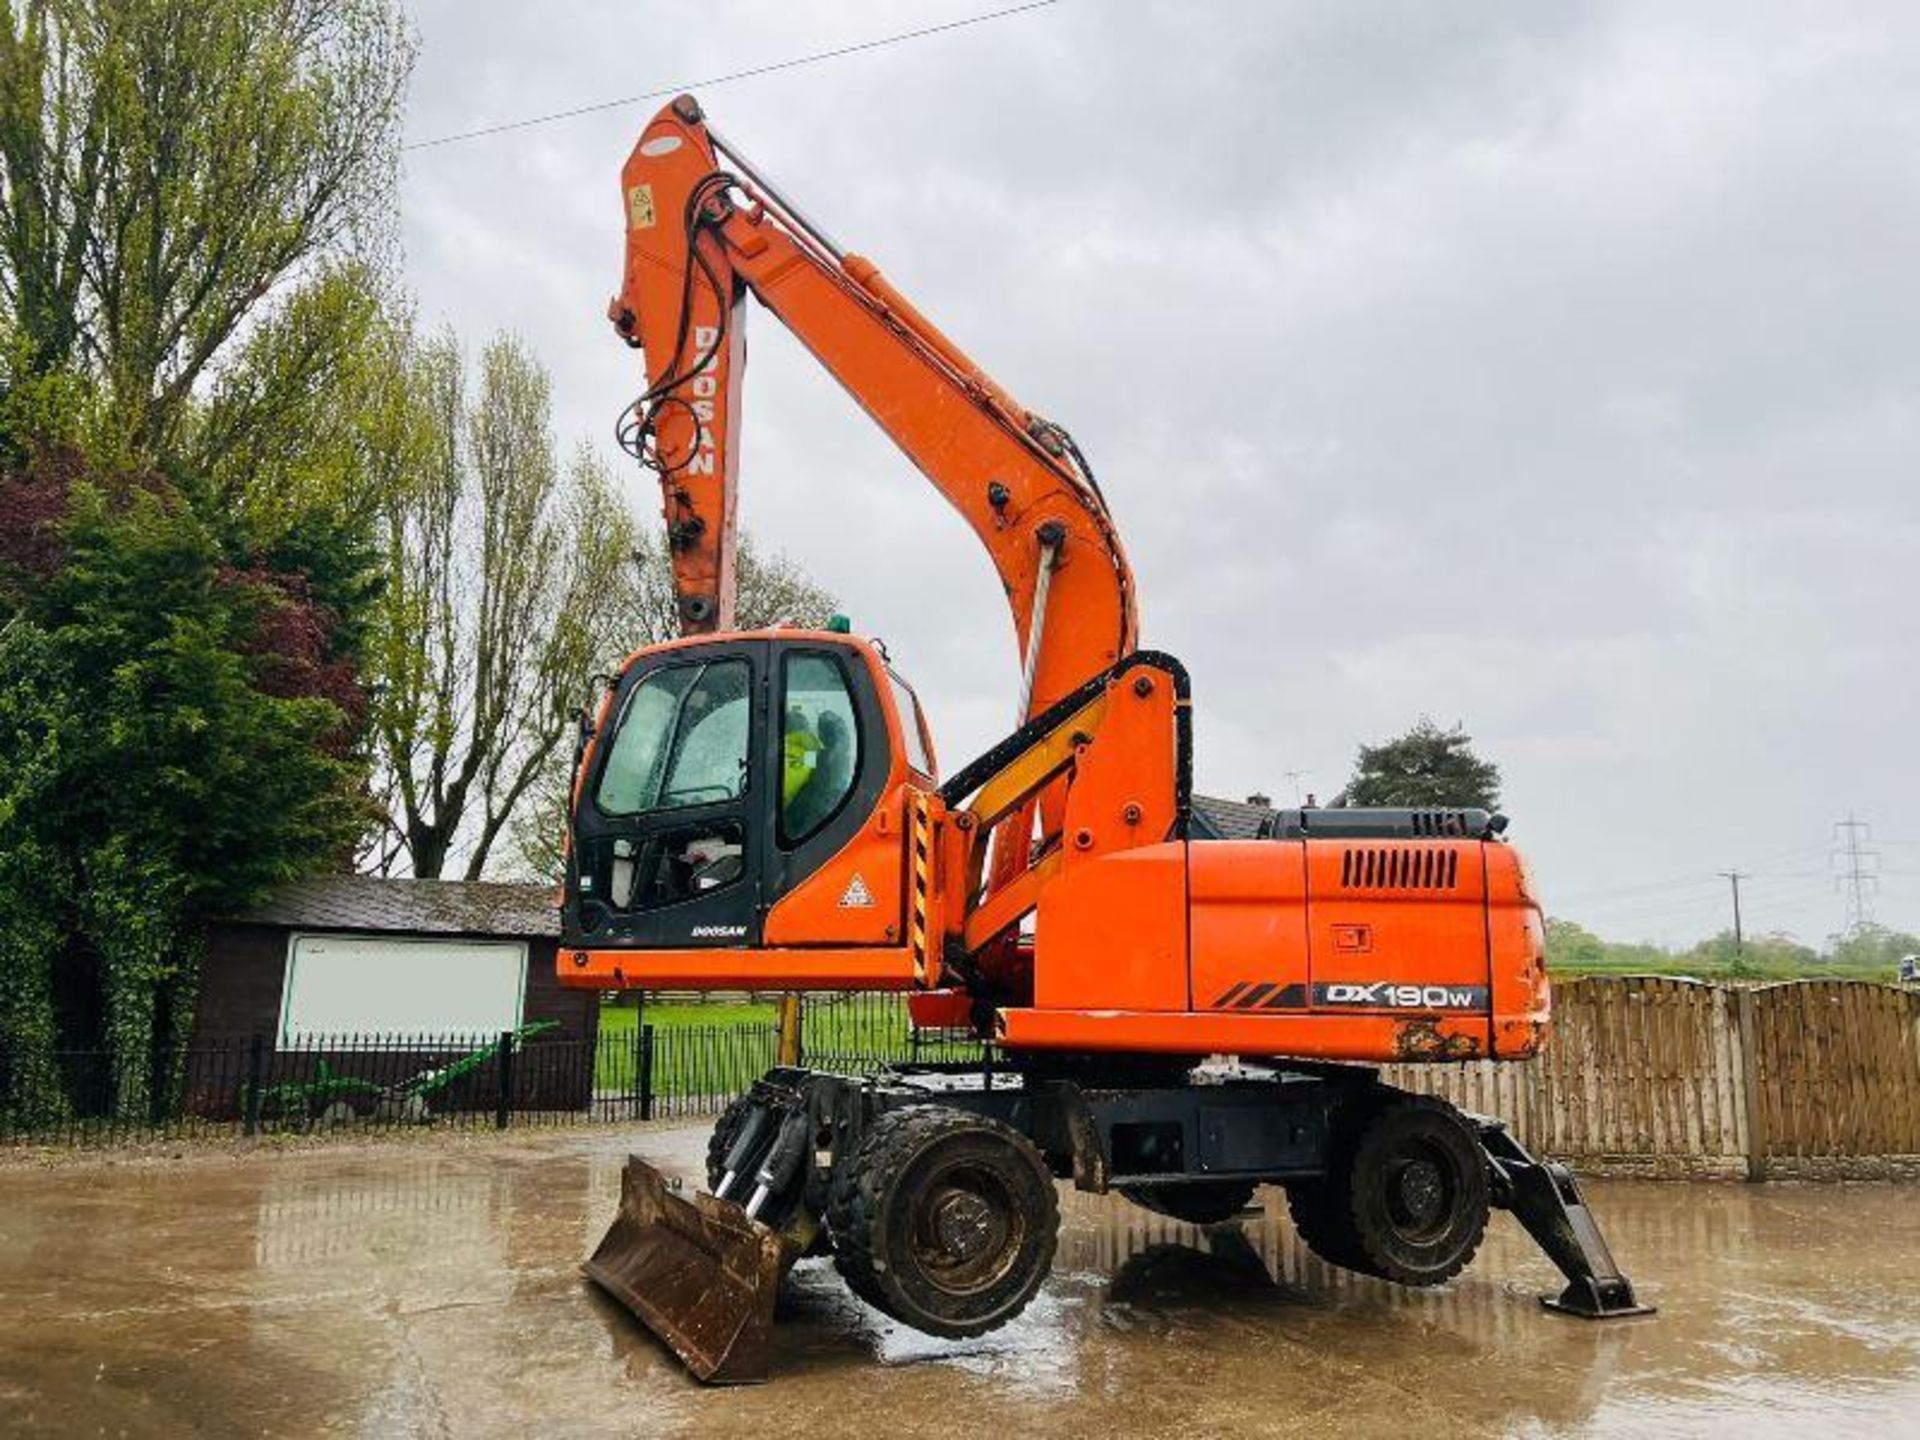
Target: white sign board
x,y
409,989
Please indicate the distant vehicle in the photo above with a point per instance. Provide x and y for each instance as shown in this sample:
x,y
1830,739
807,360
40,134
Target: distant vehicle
x,y
1910,969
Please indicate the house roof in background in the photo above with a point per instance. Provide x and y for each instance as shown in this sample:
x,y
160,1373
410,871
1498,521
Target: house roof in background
x,y
1220,819
412,907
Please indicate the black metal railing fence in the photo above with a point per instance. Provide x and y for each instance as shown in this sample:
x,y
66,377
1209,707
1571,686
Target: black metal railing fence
x,y
631,1069
249,1085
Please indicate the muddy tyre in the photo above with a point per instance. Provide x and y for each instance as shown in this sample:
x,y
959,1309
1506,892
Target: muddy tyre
x,y
1319,1212
946,1221
1407,1196
1321,1208
1198,1202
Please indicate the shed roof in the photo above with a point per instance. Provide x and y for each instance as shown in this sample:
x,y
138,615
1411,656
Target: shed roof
x,y
1219,819
410,907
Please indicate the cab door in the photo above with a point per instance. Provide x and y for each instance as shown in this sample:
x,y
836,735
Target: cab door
x,y
670,829
835,865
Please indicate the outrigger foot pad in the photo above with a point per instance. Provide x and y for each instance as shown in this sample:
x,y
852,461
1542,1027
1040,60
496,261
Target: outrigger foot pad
x,y
1545,1198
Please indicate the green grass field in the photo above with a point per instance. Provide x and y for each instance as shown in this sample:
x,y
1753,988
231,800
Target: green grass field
x,y
721,1048
621,1019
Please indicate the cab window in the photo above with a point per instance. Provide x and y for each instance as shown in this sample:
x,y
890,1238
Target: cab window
x,y
908,705
682,740
819,744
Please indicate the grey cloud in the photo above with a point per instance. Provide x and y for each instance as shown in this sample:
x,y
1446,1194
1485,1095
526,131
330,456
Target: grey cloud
x,y
1549,368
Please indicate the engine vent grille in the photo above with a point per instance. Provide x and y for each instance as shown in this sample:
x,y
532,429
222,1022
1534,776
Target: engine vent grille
x,y
1399,867
1440,824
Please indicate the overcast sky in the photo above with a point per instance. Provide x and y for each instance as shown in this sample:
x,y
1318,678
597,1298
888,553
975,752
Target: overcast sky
x,y
1553,369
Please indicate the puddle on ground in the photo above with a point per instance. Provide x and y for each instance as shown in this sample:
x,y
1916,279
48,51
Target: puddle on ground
x,y
382,1290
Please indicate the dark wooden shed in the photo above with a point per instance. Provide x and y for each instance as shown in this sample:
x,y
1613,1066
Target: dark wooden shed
x,y
341,962
253,959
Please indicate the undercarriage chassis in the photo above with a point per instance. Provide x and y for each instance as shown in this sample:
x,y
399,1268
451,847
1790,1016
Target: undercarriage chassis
x,y
932,1188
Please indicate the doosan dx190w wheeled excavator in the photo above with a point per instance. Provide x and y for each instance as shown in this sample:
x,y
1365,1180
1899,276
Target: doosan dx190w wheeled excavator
x,y
762,810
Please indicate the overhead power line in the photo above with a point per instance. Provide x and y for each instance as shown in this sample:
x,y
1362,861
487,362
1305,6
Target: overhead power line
x,y
1691,882
752,72
1701,909
1772,895
1779,855
1701,880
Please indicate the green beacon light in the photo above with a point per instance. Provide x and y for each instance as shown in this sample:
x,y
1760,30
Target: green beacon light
x,y
838,624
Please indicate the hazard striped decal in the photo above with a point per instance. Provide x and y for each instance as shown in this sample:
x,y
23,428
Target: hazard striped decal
x,y
1266,995
920,849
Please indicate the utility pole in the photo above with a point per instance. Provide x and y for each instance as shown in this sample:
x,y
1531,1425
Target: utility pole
x,y
1734,877
1856,861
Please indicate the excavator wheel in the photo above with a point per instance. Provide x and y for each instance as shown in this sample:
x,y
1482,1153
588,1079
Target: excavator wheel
x,y
1406,1199
1198,1202
944,1220
1321,1208
1319,1212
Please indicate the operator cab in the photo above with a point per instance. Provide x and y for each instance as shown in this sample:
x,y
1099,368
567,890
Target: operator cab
x,y
725,772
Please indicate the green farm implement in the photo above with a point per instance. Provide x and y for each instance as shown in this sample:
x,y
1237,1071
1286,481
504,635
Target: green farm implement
x,y
331,1098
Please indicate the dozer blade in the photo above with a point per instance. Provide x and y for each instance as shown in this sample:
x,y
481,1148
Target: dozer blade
x,y
697,1273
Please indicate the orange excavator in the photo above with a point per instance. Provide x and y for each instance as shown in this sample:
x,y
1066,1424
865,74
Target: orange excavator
x,y
763,810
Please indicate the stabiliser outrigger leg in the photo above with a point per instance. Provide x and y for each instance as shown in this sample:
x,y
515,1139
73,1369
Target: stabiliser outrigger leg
x,y
933,1189
1545,1198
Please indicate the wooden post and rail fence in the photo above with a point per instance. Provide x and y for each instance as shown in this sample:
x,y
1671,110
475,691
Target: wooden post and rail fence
x,y
1648,1075
1656,1075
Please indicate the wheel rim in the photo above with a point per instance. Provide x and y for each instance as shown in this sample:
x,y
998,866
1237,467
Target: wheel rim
x,y
967,1229
1423,1191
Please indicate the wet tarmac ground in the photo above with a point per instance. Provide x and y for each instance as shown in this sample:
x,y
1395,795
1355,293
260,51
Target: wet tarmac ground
x,y
389,1289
